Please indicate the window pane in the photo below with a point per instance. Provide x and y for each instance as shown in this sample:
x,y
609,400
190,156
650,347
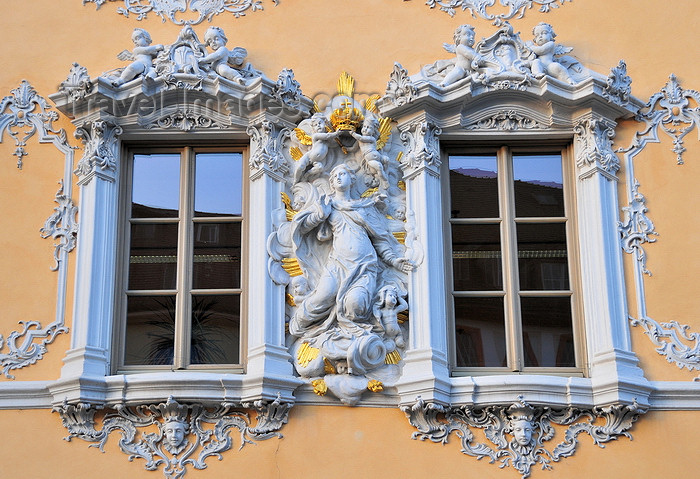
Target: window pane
x,y
542,256
156,186
476,257
216,322
473,187
539,188
548,338
480,332
153,256
218,184
150,330
217,256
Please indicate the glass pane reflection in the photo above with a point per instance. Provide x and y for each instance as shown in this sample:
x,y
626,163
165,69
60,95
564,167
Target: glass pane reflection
x,y
538,185
473,187
218,184
150,330
156,186
480,332
217,256
153,256
548,337
476,257
542,256
216,322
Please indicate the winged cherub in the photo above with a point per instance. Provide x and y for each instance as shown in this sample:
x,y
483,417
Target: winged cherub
x,y
372,159
220,57
142,57
544,48
466,58
311,163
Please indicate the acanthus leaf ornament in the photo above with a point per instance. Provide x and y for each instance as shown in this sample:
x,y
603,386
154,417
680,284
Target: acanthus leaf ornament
x,y
520,431
185,435
267,144
422,144
506,120
62,226
400,89
287,90
618,88
169,9
100,143
78,83
516,8
25,113
594,137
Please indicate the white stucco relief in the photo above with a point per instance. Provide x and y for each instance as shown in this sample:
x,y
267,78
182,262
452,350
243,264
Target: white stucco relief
x,y
339,247
175,10
483,8
676,112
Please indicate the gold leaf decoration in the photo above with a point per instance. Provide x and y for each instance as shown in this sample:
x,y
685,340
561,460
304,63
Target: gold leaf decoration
x,y
400,236
384,132
295,153
302,136
328,368
346,85
306,354
375,386
402,317
371,104
320,387
290,300
369,192
291,266
392,358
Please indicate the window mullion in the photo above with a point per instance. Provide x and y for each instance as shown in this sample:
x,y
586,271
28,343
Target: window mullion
x,y
510,260
184,274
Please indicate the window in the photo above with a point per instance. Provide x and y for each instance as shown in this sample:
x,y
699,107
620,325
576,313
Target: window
x,y
182,286
512,288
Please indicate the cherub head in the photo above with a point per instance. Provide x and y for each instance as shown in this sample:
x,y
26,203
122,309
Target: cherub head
x,y
543,33
388,297
141,37
464,35
300,286
370,127
215,37
318,123
174,433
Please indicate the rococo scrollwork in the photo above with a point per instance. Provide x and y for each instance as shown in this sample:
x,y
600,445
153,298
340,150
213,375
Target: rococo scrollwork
x,y
520,431
343,246
23,114
171,9
516,8
62,226
184,435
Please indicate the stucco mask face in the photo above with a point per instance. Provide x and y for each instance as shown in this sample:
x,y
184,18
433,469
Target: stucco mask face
x,y
174,433
522,431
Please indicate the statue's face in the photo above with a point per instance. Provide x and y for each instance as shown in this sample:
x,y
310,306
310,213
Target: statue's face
x,y
368,129
391,298
341,180
522,432
300,287
174,433
140,40
542,35
216,42
468,37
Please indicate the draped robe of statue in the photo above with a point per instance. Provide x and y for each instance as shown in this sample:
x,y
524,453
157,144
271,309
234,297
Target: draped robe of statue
x,y
339,309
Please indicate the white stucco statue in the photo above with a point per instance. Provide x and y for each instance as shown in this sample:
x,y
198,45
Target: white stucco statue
x,y
311,164
174,436
386,310
141,57
544,49
219,59
372,159
466,58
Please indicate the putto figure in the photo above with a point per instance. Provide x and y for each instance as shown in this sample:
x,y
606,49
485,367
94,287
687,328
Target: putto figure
x,y
466,58
219,59
311,163
386,310
142,57
544,49
372,159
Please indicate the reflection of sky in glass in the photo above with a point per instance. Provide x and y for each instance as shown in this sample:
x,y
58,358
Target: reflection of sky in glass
x,y
157,181
476,166
538,169
218,183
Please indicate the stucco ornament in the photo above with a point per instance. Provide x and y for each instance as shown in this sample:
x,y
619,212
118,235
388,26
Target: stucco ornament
x,y
339,247
186,434
186,62
172,9
78,83
504,61
481,8
25,113
520,431
62,226
399,90
619,85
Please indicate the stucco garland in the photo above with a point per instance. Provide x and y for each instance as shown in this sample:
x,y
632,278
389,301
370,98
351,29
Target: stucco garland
x,y
481,8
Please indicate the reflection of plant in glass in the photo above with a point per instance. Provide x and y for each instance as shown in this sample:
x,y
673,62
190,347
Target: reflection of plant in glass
x,y
206,340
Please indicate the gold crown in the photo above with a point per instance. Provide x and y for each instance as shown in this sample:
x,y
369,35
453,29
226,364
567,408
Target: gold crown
x,y
346,118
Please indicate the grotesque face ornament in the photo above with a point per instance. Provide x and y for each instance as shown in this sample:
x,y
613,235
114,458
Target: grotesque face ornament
x,y
174,433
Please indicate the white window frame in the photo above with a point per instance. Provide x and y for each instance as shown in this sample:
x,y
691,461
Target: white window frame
x,y
511,292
